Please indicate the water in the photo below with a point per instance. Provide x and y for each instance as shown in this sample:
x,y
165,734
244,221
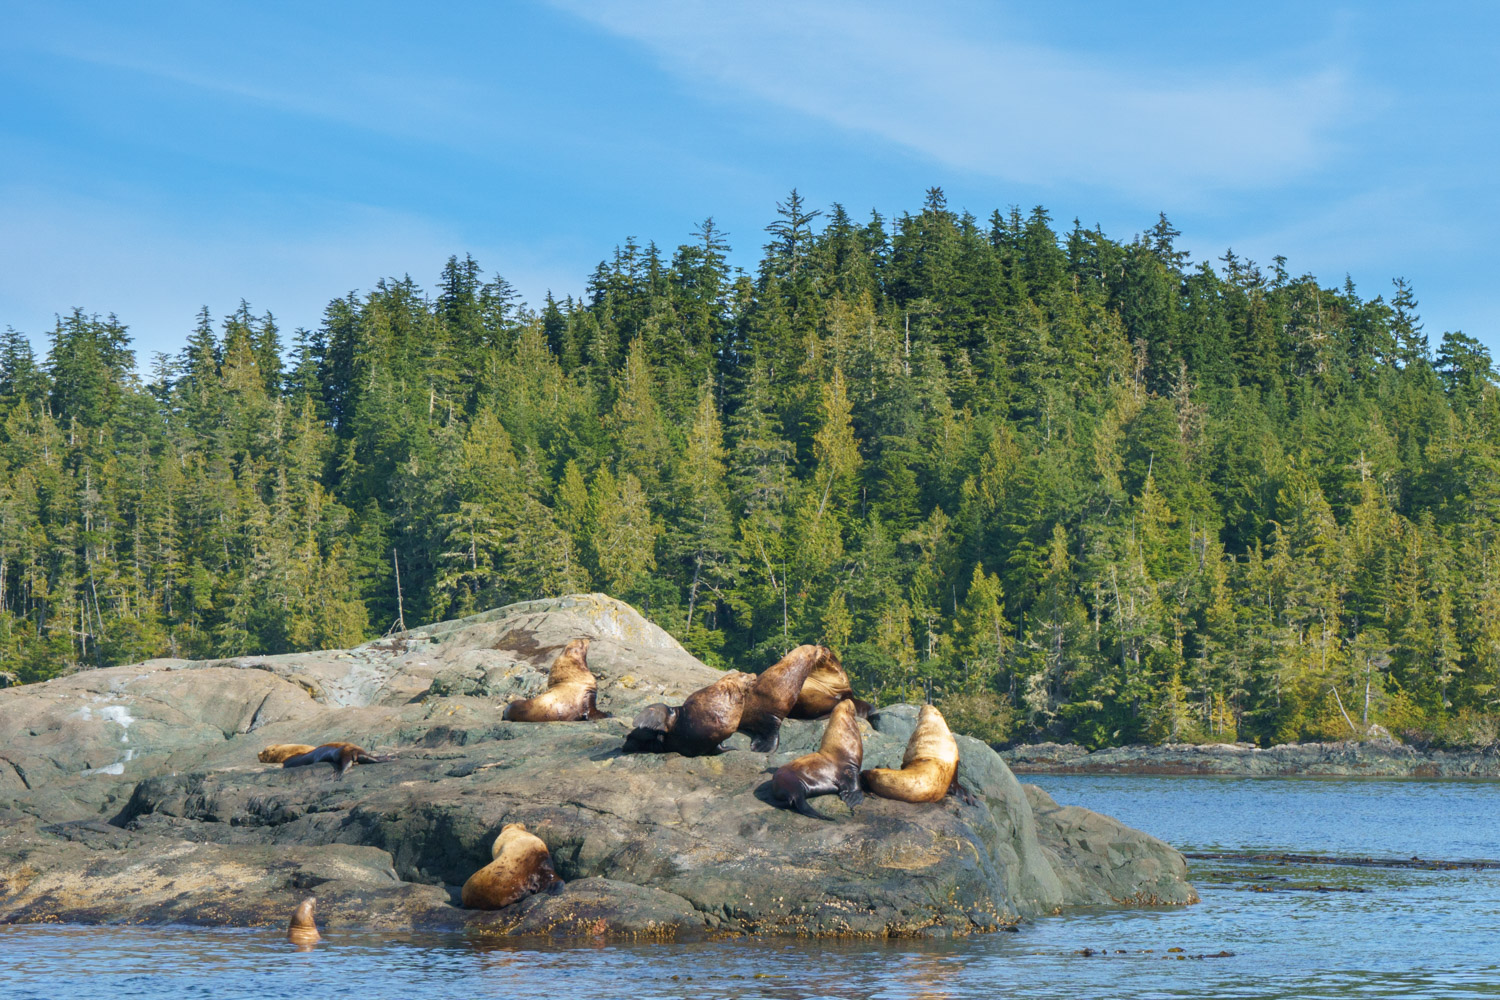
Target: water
x,y
1404,933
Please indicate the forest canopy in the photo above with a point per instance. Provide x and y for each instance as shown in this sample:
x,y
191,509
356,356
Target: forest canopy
x,y
1067,486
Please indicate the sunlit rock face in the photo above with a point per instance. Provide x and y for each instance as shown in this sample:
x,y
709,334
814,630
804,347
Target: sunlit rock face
x,y
134,793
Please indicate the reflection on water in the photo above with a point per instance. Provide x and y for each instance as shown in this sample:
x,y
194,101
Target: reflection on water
x,y
1294,929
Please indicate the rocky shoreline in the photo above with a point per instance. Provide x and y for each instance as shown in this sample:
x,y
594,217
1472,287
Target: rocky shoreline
x,y
1368,758
133,795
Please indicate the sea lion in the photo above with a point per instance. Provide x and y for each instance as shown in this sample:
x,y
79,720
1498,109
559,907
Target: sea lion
x,y
278,752
833,768
303,930
521,866
571,689
775,694
341,755
824,688
927,768
705,720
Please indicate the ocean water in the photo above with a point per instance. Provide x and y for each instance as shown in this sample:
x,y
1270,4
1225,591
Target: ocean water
x,y
1346,920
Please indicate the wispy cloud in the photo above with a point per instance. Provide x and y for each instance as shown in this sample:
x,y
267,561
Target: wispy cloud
x,y
1009,109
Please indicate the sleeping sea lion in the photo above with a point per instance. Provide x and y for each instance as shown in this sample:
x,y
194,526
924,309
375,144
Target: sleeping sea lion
x,y
706,719
521,866
303,930
571,689
834,767
824,688
927,768
775,693
341,755
278,752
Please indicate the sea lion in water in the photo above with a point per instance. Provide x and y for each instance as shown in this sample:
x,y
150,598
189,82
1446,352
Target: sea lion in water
x,y
776,692
927,768
341,755
833,768
570,694
278,752
303,930
521,866
706,719
824,688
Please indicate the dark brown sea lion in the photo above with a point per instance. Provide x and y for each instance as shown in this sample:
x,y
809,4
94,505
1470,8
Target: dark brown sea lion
x,y
342,756
775,694
833,768
521,866
927,767
824,688
570,694
278,752
303,930
705,720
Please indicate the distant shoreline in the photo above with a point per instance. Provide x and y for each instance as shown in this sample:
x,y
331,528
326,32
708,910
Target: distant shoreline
x,y
1376,758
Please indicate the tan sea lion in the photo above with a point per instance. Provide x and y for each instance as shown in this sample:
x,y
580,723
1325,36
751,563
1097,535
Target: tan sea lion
x,y
303,930
927,768
824,688
278,752
342,756
833,768
775,693
570,694
521,866
705,720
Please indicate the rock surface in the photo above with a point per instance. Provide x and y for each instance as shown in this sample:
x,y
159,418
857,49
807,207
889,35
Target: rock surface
x,y
134,794
1370,758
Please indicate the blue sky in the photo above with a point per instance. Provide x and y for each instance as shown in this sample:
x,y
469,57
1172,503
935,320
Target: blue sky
x,y
158,157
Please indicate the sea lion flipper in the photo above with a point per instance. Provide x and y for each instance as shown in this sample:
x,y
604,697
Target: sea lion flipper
x,y
594,714
768,741
852,796
962,794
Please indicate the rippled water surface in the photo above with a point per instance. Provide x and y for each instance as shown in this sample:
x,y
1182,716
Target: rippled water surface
x,y
1295,930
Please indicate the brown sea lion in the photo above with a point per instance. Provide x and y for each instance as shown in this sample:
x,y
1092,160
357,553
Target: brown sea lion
x,y
342,756
705,720
927,768
833,768
278,752
303,930
570,694
775,694
521,866
824,688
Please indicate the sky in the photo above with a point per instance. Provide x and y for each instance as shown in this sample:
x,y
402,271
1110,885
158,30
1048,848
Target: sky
x,y
157,157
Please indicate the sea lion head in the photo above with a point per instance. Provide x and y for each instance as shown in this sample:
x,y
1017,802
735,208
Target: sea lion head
x,y
303,930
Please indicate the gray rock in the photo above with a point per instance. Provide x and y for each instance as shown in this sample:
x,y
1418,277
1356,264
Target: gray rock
x,y
1379,756
191,827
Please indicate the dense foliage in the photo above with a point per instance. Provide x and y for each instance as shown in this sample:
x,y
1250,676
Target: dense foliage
x,y
1068,486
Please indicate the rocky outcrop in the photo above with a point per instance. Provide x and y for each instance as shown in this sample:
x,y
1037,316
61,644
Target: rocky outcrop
x,y
134,794
1382,758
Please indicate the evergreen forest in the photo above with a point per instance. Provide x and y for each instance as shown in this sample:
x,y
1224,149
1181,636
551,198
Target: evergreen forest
x,y
1067,486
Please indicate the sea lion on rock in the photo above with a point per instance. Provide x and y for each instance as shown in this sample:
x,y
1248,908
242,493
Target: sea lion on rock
x,y
705,720
570,694
342,756
303,930
278,752
927,767
832,768
824,688
521,866
776,692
